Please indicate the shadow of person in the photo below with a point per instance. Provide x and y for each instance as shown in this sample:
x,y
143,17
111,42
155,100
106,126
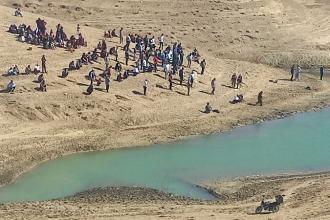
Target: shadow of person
x,y
136,92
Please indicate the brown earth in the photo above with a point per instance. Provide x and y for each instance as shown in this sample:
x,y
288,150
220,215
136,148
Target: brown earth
x,y
233,36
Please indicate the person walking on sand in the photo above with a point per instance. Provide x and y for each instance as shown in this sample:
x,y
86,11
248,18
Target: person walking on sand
x,y
233,80
259,98
43,64
145,87
213,85
203,65
321,72
107,82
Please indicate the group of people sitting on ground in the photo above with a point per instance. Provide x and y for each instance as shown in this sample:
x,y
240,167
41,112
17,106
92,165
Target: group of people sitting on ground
x,y
13,71
35,70
48,40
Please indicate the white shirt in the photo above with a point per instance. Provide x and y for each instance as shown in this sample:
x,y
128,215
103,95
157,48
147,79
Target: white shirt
x,y
162,39
145,83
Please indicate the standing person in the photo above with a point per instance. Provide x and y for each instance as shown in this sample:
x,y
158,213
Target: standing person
x,y
321,72
298,73
128,41
239,81
166,69
203,65
213,85
146,42
189,58
188,86
192,78
233,80
292,72
156,60
90,88
78,29
121,38
259,98
145,87
161,42
170,80
126,56
181,75
106,61
107,82
43,64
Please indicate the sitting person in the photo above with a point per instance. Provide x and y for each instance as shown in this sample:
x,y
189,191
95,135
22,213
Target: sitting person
x,y
72,65
149,69
18,13
28,70
84,58
119,77
208,108
118,67
13,71
13,29
78,64
135,71
98,81
237,99
99,46
65,72
43,86
113,33
94,55
126,74
11,86
37,69
41,78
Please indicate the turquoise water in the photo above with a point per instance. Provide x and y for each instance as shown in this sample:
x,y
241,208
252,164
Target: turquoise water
x,y
300,143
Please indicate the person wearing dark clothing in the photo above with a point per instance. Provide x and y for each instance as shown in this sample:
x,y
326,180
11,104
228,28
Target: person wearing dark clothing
x,y
43,64
321,72
203,65
145,86
170,80
188,87
292,72
107,83
126,57
213,85
259,98
121,38
181,75
90,88
208,108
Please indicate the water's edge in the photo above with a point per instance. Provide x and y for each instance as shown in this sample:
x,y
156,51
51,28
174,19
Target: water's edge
x,y
277,116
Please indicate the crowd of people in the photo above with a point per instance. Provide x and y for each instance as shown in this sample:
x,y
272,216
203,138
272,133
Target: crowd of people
x,y
147,53
47,39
